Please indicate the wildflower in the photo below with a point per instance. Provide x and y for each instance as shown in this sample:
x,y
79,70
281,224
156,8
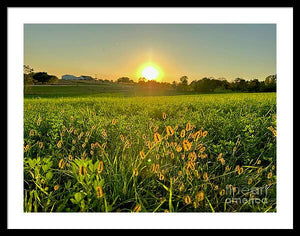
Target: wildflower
x,y
200,196
199,146
182,133
56,187
100,167
31,132
164,115
178,148
204,134
169,130
26,148
135,172
41,144
269,176
86,139
250,181
155,129
205,176
181,186
259,170
240,170
187,199
122,137
182,156
166,211
188,126
99,191
258,162
70,157
197,135
202,149
137,208
103,145
222,161
172,155
197,174
73,141
196,204
222,192
273,167
39,121
59,144
81,170
61,163
192,156
142,155
83,145
227,168
157,137
87,133
186,145
104,134
161,176
114,121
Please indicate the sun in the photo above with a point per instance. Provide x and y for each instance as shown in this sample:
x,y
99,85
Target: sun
x,y
150,73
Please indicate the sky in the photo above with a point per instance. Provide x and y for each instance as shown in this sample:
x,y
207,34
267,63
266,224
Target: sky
x,y
111,51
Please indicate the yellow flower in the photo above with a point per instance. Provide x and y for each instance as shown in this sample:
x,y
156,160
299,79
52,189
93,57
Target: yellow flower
x,y
31,132
187,199
186,145
204,134
155,129
197,135
259,170
250,181
142,155
59,144
200,196
164,115
178,148
99,191
114,121
172,155
157,137
137,208
100,167
56,187
26,148
161,176
205,176
202,149
70,157
258,162
188,126
81,170
182,133
222,192
269,176
222,161
227,168
181,187
135,172
169,130
41,144
61,163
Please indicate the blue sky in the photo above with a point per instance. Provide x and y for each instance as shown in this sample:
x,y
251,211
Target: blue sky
x,y
114,50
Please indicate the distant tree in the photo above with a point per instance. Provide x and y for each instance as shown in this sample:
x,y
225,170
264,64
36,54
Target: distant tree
x,y
44,78
27,69
124,80
184,80
270,83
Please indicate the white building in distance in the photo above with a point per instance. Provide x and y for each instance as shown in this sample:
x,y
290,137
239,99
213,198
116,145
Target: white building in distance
x,y
72,77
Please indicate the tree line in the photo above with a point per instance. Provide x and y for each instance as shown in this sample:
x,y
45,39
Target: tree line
x,y
202,85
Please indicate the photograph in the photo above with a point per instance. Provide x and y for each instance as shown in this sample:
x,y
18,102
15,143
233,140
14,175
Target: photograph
x,y
150,118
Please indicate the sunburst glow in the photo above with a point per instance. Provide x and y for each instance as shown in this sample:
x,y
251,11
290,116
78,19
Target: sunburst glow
x,y
150,73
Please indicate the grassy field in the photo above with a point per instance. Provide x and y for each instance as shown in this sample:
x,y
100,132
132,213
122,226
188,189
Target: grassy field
x,y
187,153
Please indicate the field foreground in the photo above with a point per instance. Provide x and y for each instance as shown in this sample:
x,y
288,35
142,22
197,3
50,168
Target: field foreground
x,y
187,153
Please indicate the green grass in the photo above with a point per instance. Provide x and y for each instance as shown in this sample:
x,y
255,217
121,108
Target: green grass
x,y
237,125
